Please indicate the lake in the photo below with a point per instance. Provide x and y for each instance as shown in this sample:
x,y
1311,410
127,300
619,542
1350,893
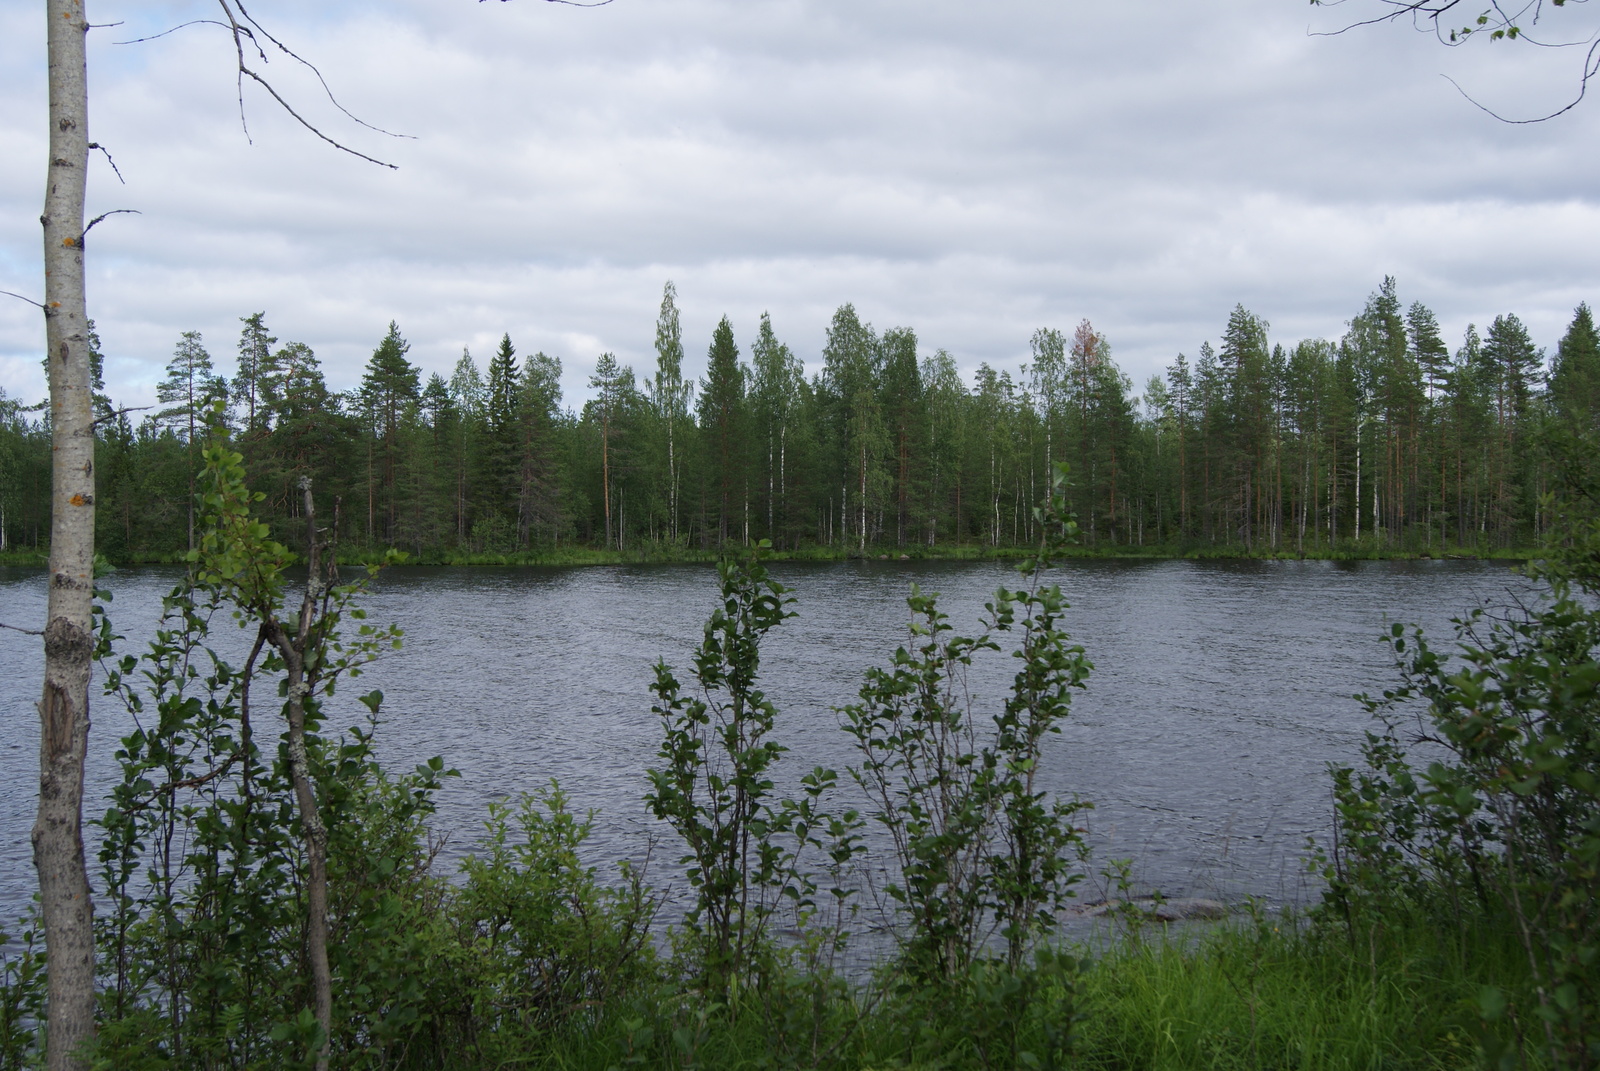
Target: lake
x,y
1221,691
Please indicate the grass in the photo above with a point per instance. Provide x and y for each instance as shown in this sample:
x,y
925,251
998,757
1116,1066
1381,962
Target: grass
x,y
1274,997
1264,993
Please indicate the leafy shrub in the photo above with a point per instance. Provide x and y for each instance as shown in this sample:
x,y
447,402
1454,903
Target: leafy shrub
x,y
746,848
1502,824
544,942
978,845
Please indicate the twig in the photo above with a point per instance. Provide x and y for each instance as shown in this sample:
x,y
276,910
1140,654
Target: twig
x,y
19,297
25,631
113,212
175,29
120,412
113,163
1590,68
202,779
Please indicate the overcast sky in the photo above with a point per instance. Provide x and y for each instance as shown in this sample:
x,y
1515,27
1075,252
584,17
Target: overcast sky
x,y
973,170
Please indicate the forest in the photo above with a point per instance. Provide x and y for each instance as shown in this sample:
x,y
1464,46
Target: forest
x,y
1381,442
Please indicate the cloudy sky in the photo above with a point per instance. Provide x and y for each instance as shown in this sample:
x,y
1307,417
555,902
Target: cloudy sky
x,y
974,170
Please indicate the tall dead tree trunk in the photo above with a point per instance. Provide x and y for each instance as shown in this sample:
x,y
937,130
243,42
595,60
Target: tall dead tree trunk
x,y
68,642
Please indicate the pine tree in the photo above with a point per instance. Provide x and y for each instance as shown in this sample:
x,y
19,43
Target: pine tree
x,y
389,386
1430,354
1575,372
1512,363
1508,349
1247,418
190,382
310,436
1427,347
257,374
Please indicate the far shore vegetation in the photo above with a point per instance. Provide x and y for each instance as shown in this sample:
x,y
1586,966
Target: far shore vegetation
x,y
1386,442
574,556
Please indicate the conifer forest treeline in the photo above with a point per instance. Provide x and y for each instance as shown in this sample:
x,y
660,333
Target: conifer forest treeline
x,y
1385,440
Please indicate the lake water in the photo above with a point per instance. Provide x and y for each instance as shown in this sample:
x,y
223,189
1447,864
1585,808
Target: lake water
x,y
1221,691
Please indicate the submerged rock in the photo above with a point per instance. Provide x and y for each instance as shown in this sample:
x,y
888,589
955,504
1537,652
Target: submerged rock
x,y
1184,909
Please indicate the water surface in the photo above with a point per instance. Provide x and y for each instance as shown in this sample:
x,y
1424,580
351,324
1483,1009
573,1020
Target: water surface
x,y
1221,690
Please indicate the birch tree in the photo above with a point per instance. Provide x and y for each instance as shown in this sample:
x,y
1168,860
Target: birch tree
x,y
68,643
669,395
68,640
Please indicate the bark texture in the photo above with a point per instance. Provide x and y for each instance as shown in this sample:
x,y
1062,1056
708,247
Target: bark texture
x,y
301,679
68,642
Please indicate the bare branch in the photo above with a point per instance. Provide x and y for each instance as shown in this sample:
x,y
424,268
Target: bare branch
x,y
1430,11
312,67
1589,71
19,297
1501,21
25,631
113,212
243,33
175,29
114,415
113,163
202,779
301,120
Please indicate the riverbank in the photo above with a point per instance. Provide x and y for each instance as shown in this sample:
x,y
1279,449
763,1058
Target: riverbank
x,y
663,554
1258,992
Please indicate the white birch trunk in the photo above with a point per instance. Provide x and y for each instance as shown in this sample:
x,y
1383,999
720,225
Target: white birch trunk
x,y
68,639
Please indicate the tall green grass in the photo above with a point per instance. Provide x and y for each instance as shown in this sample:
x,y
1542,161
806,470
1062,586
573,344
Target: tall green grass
x,y
1254,994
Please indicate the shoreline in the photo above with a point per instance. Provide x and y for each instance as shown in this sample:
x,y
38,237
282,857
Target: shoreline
x,y
572,557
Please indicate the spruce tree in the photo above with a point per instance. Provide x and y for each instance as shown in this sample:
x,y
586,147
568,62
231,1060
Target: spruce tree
x,y
501,411
722,425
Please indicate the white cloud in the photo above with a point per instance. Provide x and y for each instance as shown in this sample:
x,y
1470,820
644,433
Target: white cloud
x,y
973,171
